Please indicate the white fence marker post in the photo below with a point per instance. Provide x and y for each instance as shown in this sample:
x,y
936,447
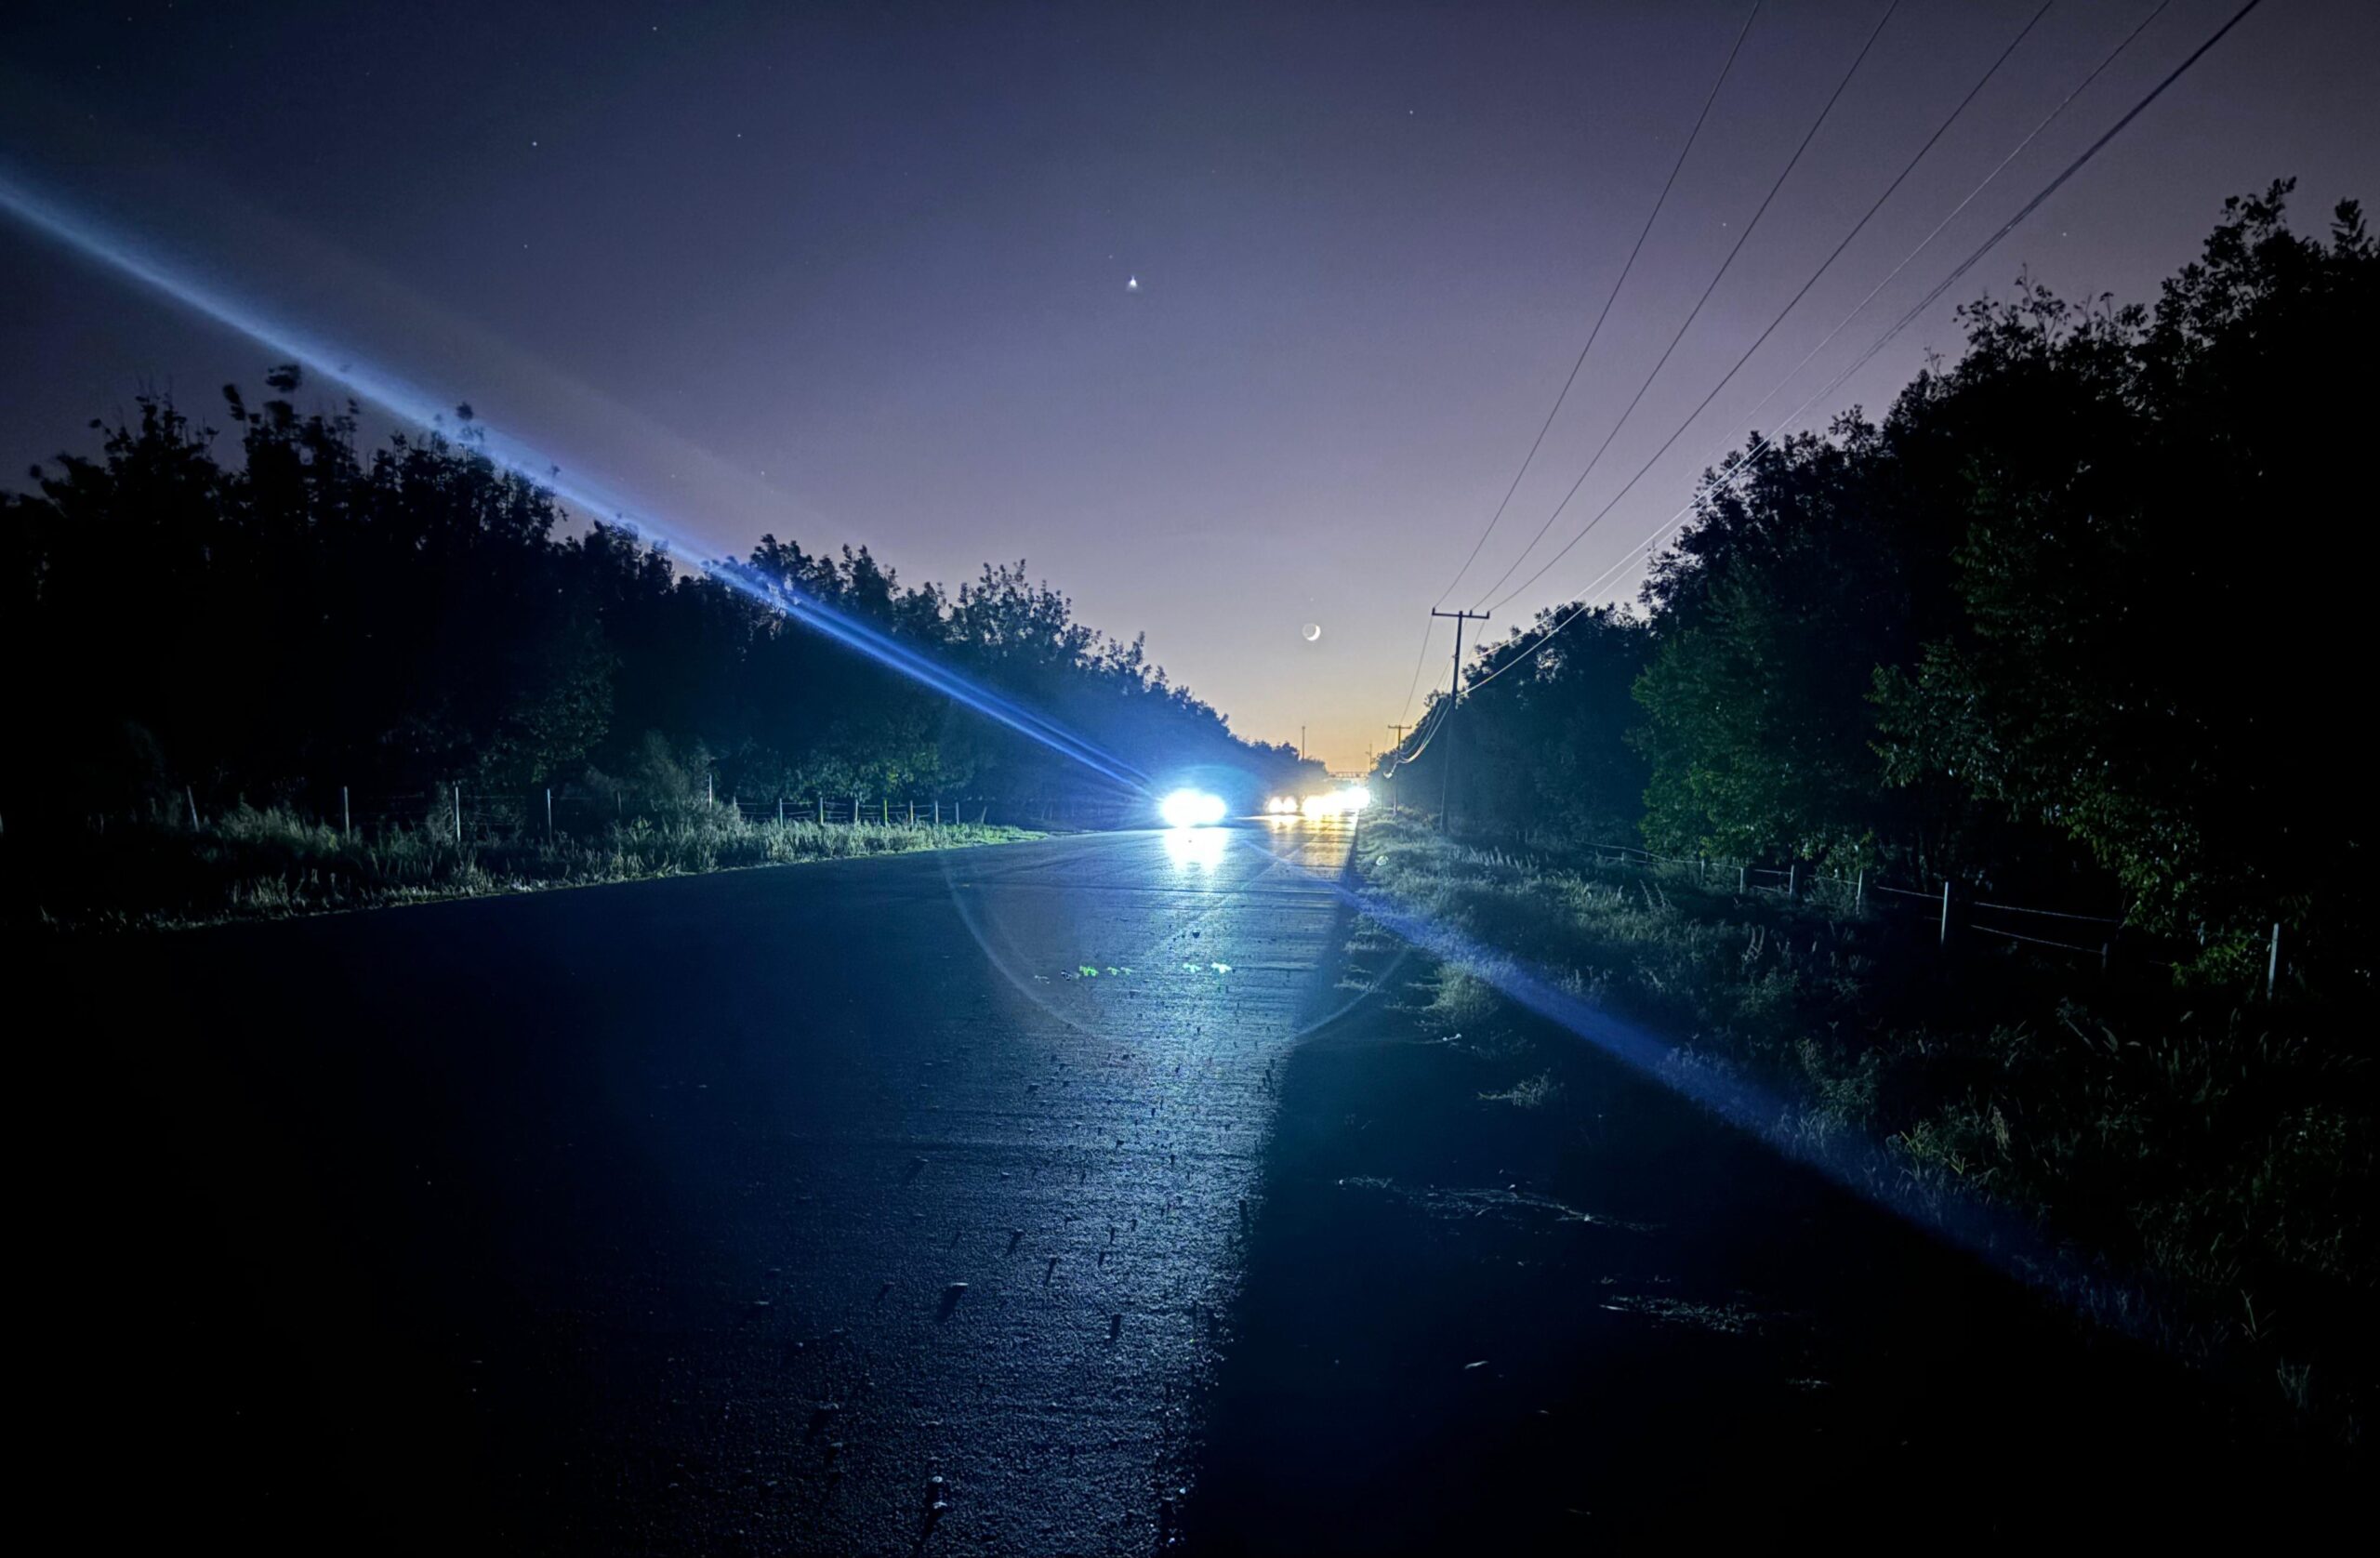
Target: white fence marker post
x,y
458,815
2273,962
549,813
1945,911
192,795
1859,892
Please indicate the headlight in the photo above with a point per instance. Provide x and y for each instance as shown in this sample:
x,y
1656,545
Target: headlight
x,y
1191,809
1336,803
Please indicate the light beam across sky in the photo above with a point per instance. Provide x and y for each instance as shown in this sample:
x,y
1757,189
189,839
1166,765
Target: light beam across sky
x,y
833,274
137,261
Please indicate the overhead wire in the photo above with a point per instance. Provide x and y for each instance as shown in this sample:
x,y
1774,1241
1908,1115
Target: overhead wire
x,y
1426,732
1954,213
1742,239
1744,466
1638,248
1791,304
1420,658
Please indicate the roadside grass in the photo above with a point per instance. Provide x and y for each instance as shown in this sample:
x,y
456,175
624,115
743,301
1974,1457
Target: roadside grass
x,y
253,863
2209,1151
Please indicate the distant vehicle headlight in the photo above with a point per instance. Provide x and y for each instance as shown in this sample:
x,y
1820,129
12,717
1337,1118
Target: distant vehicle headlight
x,y
1191,809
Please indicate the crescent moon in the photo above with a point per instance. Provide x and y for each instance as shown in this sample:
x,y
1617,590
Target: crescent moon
x,y
1314,632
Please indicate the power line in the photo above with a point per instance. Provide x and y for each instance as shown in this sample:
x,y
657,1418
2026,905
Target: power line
x,y
1610,297
1742,239
1424,653
2053,186
1424,733
1988,179
1782,314
1745,465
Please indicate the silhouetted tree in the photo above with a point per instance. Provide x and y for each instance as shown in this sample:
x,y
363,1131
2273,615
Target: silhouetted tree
x,y
312,614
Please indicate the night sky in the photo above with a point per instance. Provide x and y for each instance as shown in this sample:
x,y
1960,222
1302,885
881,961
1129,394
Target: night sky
x,y
864,274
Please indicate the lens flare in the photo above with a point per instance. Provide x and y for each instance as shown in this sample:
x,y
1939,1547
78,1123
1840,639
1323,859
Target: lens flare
x,y
1196,848
412,403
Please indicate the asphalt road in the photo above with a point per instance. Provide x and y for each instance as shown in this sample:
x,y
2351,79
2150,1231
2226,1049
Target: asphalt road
x,y
860,1207
1053,1198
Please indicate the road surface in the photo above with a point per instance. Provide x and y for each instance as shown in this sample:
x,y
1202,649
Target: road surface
x,y
1058,1197
845,1206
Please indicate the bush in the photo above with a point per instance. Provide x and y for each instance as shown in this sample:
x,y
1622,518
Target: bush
x,y
2220,1150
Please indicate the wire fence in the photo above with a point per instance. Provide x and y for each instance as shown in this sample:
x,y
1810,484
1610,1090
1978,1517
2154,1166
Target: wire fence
x,y
1949,909
467,814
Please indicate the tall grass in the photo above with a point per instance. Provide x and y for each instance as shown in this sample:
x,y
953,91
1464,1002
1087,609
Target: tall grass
x,y
2216,1151
256,863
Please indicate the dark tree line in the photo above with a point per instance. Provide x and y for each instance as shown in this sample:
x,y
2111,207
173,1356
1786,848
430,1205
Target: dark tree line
x,y
2082,613
305,612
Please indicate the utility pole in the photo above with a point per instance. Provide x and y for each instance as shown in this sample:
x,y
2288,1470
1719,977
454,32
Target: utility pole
x,y
1301,744
1396,760
1454,696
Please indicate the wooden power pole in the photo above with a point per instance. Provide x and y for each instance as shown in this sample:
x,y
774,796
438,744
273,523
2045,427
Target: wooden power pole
x,y
1454,698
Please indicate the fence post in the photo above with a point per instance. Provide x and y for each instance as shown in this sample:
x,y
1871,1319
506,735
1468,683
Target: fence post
x,y
822,809
937,811
2273,962
192,795
549,813
1945,911
780,811
886,802
1792,881
458,815
710,790
345,817
1743,880
1859,892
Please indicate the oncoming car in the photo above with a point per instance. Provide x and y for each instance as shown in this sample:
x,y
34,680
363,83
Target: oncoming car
x,y
1191,809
